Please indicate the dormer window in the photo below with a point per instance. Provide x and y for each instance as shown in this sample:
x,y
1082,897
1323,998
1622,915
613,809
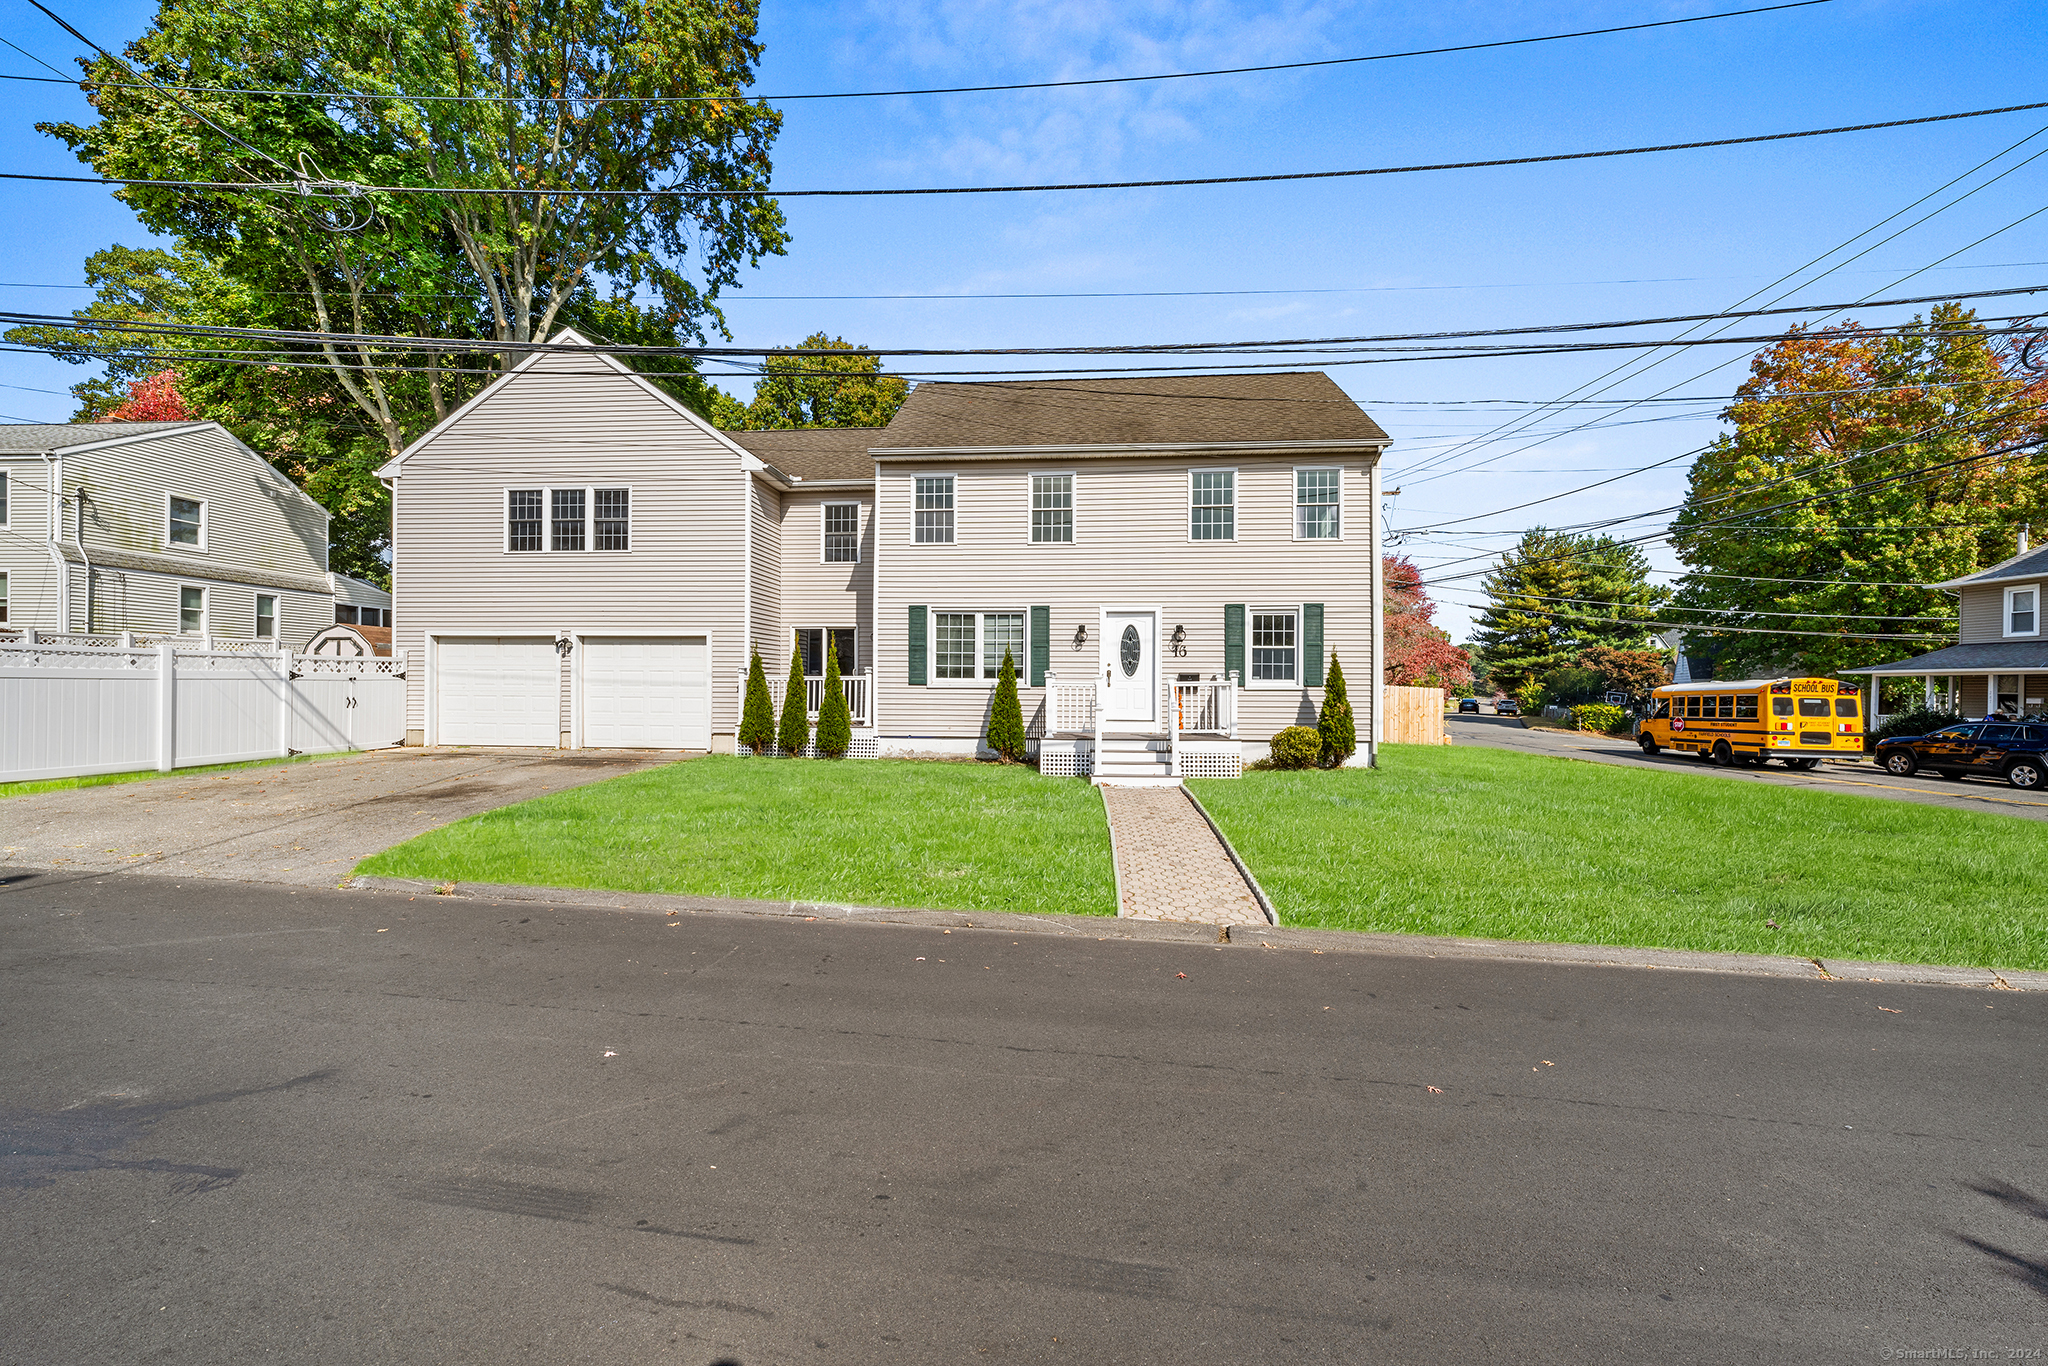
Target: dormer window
x,y
2023,610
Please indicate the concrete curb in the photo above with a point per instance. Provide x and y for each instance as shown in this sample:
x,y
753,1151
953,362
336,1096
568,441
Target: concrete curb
x,y
1244,870
1272,937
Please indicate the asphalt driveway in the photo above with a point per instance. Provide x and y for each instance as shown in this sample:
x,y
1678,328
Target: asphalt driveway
x,y
306,824
1863,779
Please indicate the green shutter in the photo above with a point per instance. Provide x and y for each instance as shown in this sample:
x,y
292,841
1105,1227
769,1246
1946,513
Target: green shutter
x,y
1233,639
917,623
1312,644
1041,644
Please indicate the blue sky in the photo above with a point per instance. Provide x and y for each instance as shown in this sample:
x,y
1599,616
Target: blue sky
x,y
1630,237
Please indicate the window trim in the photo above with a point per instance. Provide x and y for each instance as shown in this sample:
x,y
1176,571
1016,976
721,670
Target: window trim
x,y
2005,612
547,519
1294,496
953,527
825,520
3,597
6,501
1073,506
205,610
1236,489
826,642
171,545
981,616
1251,613
256,617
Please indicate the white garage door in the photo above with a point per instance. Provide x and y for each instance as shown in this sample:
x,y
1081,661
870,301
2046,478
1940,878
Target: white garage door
x,y
646,692
498,690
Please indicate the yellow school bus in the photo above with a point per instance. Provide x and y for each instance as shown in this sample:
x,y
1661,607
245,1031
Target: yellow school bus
x,y
1755,720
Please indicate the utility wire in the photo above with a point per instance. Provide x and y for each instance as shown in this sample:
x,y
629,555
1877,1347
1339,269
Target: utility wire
x,y
1587,618
350,189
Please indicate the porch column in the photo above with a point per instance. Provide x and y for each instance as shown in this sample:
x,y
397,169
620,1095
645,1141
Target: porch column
x,y
1872,691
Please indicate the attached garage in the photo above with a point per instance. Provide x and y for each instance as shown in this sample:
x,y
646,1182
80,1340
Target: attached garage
x,y
645,692
497,690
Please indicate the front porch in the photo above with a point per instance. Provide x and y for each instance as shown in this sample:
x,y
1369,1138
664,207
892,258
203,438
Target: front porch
x,y
2006,678
1191,734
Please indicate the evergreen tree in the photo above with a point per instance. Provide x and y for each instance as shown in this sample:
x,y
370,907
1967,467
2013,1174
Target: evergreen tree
x,y
1006,715
757,718
1554,594
835,727
1335,722
795,731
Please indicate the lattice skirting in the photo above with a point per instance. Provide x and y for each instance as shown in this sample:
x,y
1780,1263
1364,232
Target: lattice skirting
x,y
1065,763
1211,764
863,747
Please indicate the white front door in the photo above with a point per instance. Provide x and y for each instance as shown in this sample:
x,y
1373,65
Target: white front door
x,y
1130,666
646,692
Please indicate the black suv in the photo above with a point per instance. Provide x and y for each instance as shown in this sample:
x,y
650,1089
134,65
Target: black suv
x,y
1985,749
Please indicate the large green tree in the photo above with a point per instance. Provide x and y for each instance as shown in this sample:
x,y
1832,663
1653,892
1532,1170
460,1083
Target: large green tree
x,y
1848,483
1557,593
819,391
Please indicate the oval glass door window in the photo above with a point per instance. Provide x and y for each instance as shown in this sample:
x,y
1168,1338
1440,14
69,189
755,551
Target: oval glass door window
x,y
1128,651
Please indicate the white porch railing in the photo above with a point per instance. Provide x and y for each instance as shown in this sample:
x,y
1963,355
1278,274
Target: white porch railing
x,y
1206,708
1069,707
859,689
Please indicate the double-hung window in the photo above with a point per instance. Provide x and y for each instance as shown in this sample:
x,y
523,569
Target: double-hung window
x,y
2023,610
3,597
842,533
266,617
934,510
568,520
1052,508
968,647
1275,648
192,611
1317,505
185,522
1212,505
3,498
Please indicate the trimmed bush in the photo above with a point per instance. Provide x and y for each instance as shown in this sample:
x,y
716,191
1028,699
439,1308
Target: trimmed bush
x,y
1006,715
1600,716
757,718
835,726
1334,722
795,731
1297,747
1919,721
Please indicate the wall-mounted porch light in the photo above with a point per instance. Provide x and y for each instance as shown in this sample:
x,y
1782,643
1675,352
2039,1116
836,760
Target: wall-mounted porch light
x,y
1080,636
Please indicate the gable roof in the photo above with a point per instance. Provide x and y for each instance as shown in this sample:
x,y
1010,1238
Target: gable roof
x,y
1179,410
2028,564
47,438
813,453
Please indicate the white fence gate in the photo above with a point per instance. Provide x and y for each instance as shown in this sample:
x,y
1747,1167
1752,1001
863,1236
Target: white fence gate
x,y
74,709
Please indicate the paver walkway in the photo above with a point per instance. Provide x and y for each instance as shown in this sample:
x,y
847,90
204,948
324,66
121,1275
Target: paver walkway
x,y
1169,863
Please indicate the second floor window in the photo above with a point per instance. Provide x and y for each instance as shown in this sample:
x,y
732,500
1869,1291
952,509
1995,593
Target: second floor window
x,y
613,518
1315,505
1212,505
522,519
565,519
2022,611
568,519
186,523
934,512
842,533
1052,507
3,498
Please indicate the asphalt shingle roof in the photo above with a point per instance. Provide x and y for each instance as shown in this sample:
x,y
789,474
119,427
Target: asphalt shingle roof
x,y
1997,656
816,452
2026,566
1175,410
35,438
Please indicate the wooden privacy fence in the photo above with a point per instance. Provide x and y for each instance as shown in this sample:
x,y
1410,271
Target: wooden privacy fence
x,y
1415,716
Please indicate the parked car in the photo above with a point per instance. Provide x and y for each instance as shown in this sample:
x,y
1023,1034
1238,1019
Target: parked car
x,y
1507,706
1984,749
1468,704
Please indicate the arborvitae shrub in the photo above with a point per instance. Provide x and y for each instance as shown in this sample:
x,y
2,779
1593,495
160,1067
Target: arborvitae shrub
x,y
795,731
835,726
1335,722
757,718
1006,715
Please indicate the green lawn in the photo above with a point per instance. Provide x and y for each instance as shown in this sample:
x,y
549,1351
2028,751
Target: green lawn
x,y
142,775
870,832
1500,845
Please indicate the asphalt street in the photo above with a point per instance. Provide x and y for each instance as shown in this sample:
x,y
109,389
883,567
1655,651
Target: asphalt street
x,y
1857,779
249,1122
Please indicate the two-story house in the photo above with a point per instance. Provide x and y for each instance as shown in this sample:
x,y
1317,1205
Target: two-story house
x,y
580,560
157,528
1999,662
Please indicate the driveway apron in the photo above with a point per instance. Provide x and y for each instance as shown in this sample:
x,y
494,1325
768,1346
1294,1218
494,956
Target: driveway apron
x,y
306,824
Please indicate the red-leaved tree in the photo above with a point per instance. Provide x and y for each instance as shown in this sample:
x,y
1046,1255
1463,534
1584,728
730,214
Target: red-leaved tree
x,y
155,399
1419,652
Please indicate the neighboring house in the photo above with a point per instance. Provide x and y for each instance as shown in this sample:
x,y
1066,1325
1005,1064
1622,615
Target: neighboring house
x,y
581,560
160,528
2000,659
364,606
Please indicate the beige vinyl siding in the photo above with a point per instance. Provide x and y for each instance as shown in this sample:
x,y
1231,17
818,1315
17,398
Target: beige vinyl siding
x,y
1130,549
767,630
567,421
1979,617
818,594
32,580
147,603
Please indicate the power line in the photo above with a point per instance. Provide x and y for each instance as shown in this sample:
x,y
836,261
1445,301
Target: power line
x,y
1581,618
1511,599
955,89
329,188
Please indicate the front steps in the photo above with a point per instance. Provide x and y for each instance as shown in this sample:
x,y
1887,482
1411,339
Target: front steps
x,y
1134,761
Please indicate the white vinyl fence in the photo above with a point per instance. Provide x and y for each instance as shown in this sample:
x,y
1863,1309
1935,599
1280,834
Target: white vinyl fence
x,y
77,708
